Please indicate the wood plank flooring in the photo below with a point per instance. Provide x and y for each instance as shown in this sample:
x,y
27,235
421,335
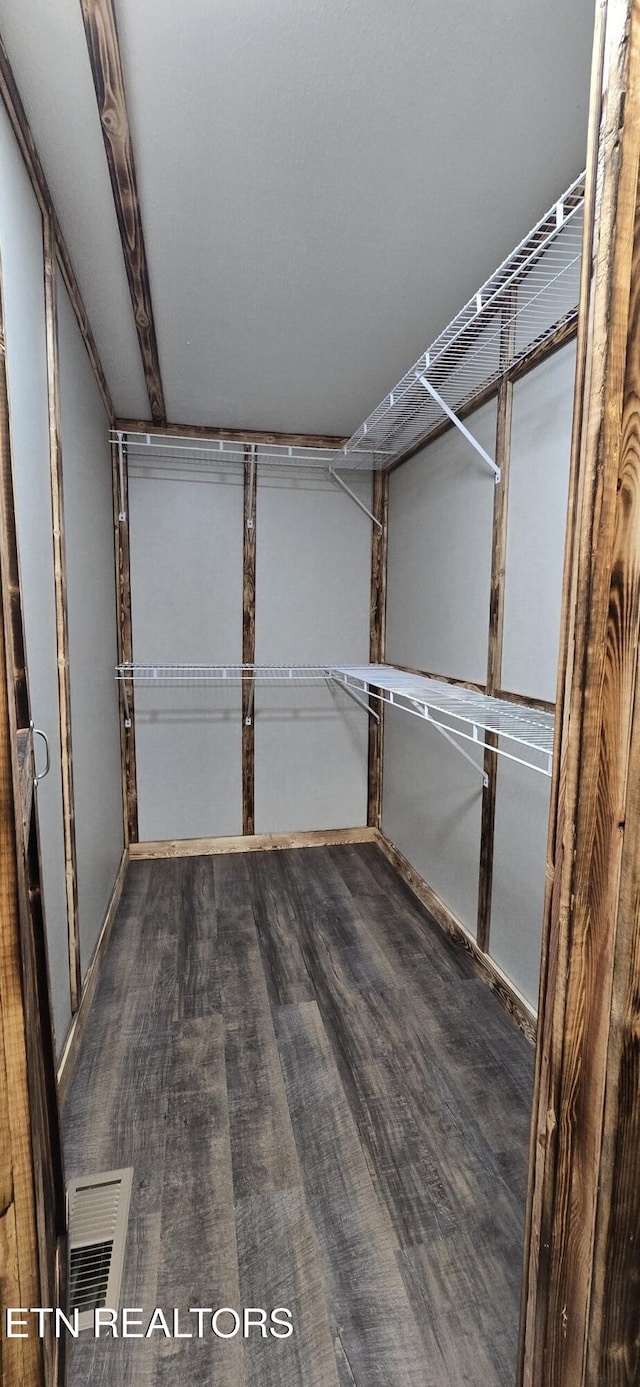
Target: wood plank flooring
x,y
325,1109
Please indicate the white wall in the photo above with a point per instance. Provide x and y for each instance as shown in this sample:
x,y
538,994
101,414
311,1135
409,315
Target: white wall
x,y
440,521
91,598
186,533
313,572
431,808
439,564
21,247
538,485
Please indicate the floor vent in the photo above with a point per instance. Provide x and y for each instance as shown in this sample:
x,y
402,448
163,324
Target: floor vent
x,y
98,1208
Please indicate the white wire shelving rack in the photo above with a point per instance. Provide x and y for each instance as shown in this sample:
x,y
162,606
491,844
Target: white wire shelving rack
x,y
531,292
534,289
524,734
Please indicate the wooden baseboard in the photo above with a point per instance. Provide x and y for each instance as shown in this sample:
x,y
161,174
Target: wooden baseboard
x,y
77,1029
255,842
511,999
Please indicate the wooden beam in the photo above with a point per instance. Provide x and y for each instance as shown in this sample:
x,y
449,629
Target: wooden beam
x,y
287,440
582,1258
377,634
496,624
125,640
62,617
512,1000
258,842
106,66
22,130
249,638
21,1360
32,1208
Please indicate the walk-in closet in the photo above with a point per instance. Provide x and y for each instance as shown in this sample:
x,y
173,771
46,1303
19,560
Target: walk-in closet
x,y
319,577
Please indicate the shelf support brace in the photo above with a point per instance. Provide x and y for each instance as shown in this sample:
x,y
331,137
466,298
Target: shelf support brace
x,y
249,714
459,425
456,745
125,697
122,513
335,478
252,486
362,702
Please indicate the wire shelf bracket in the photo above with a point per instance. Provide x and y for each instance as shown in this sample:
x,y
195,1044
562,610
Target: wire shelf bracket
x,y
450,413
335,478
122,514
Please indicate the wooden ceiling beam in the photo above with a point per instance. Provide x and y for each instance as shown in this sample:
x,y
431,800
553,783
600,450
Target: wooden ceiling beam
x,y
22,131
287,440
106,66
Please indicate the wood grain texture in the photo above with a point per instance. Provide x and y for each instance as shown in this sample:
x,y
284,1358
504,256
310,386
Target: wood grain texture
x,y
249,637
352,1146
73,1042
106,66
583,1267
22,130
62,615
258,842
33,1214
377,634
288,440
125,641
494,647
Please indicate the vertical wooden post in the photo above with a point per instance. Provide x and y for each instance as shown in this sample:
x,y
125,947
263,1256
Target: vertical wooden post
x,y
494,655
125,640
32,1216
62,619
249,637
582,1259
377,634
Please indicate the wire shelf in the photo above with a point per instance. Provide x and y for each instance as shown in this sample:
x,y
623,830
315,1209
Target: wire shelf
x,y
180,674
166,452
459,711
536,287
455,711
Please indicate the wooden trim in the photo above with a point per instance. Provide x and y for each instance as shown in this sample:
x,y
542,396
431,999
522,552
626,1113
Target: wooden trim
x,y
125,643
582,1257
443,678
494,654
512,1000
288,440
565,330
542,704
106,66
249,639
62,616
22,1360
258,842
377,640
79,1023
26,776
22,130
32,1208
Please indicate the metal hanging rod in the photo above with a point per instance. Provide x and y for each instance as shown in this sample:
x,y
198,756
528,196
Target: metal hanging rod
x,y
534,289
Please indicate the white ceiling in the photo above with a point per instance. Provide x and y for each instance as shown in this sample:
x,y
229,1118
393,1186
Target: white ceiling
x,y
323,183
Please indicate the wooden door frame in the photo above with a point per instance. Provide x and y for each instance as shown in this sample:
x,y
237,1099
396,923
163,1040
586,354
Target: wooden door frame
x,y
582,1258
32,1195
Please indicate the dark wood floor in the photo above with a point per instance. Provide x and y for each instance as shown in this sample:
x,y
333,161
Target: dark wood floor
x,y
325,1109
